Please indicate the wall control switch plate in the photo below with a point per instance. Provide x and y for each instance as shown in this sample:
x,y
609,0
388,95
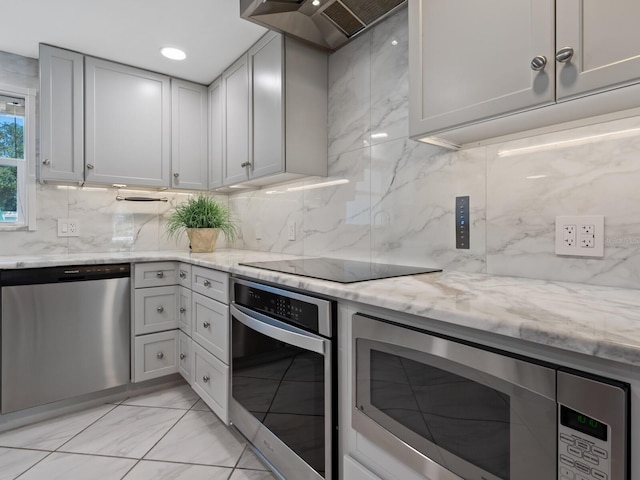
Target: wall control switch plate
x,y
291,231
68,227
580,236
462,222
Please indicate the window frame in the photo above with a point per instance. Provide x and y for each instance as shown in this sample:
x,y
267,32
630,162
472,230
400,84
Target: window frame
x,y
26,174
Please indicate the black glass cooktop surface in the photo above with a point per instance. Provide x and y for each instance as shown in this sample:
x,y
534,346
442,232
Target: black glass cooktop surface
x,y
338,270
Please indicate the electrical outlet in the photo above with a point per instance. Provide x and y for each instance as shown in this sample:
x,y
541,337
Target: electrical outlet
x,y
68,227
291,230
580,236
258,231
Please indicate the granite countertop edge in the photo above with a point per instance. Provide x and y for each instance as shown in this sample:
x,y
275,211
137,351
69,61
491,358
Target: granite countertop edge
x,y
589,319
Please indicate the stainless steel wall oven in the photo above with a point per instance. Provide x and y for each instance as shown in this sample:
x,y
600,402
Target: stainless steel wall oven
x,y
283,381
454,410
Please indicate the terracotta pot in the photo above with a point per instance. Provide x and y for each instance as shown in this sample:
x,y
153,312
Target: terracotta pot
x,y
203,240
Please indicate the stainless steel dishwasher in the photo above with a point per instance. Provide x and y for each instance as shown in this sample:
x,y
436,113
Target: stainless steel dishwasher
x,y
65,332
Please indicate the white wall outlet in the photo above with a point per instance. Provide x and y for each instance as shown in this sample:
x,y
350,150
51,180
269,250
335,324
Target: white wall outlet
x,y
258,231
291,231
68,227
580,236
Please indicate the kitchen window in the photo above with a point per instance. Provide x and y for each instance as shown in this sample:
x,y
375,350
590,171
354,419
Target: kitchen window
x,y
17,163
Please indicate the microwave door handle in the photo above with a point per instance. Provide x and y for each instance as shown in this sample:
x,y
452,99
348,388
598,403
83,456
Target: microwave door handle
x,y
279,331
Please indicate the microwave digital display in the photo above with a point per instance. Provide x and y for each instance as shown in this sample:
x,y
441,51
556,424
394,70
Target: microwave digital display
x,y
582,423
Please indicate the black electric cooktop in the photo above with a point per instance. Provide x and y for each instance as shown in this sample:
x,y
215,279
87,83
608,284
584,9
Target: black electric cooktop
x,y
338,270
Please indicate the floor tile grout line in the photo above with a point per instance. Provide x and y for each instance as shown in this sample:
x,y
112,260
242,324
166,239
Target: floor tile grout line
x,y
39,461
129,471
92,423
165,434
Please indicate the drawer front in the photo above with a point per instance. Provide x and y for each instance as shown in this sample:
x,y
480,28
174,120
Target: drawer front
x,y
211,381
211,325
184,310
156,309
156,274
184,274
185,358
211,283
156,355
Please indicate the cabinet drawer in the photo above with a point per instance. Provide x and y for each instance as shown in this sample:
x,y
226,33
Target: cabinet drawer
x,y
184,310
155,274
211,381
211,283
184,274
185,359
156,355
156,309
211,325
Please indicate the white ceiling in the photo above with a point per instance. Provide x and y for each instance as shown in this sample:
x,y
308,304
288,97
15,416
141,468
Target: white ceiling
x,y
132,32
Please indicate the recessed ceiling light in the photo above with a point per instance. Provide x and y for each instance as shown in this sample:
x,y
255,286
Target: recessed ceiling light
x,y
173,53
315,3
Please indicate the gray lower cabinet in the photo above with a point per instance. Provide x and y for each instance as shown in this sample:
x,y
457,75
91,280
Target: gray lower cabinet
x,y
211,381
61,115
189,125
156,355
275,113
127,125
185,360
353,470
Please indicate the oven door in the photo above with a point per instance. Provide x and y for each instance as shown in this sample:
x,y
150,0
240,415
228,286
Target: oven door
x,y
281,393
451,410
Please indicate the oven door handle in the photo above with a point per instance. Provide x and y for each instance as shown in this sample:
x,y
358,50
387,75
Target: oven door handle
x,y
279,330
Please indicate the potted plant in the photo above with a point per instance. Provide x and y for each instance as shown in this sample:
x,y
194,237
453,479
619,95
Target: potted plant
x,y
203,218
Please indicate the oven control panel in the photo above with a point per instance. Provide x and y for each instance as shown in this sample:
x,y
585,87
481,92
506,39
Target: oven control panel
x,y
584,447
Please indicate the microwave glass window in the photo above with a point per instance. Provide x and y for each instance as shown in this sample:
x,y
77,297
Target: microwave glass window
x,y
283,387
461,416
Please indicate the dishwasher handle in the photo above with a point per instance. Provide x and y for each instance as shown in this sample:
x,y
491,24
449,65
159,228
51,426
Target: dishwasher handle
x,y
65,274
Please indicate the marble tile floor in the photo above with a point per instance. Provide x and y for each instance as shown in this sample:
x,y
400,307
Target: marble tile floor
x,y
169,434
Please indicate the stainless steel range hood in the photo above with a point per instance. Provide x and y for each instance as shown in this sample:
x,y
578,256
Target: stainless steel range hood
x,y
329,24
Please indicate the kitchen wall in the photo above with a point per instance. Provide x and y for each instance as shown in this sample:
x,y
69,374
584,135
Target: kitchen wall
x,y
390,199
106,225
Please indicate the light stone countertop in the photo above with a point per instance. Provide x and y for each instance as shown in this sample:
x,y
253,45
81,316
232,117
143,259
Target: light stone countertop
x,y
599,321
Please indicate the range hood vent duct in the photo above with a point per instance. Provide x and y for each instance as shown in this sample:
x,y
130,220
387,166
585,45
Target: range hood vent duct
x,y
329,25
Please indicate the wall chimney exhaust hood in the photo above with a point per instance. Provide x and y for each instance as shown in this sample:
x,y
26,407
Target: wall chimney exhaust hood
x,y
328,24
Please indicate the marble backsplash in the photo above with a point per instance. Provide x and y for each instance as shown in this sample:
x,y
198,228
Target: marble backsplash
x,y
390,199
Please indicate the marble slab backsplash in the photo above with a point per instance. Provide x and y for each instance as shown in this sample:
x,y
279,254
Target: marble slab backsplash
x,y
390,199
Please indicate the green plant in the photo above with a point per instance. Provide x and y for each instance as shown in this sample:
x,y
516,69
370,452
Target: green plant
x,y
201,212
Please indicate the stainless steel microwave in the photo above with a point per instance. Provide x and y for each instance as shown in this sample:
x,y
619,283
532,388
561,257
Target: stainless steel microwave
x,y
454,410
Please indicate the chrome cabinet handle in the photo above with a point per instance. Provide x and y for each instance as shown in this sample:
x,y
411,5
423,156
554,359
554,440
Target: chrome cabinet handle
x,y
205,379
160,309
89,166
206,324
46,161
160,355
183,274
182,356
564,54
538,63
245,164
176,175
207,283
182,309
160,274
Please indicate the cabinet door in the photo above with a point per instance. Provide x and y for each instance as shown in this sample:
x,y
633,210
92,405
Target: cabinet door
x,y
185,361
215,134
156,309
211,325
61,115
605,39
188,135
210,380
128,125
267,112
235,138
354,471
155,355
472,60
184,310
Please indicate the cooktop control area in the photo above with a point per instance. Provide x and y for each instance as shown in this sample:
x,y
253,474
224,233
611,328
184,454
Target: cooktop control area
x,y
339,270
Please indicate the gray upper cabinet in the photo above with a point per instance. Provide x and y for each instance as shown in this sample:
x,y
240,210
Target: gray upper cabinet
x,y
189,127
605,40
283,106
61,115
512,66
235,129
128,125
215,134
